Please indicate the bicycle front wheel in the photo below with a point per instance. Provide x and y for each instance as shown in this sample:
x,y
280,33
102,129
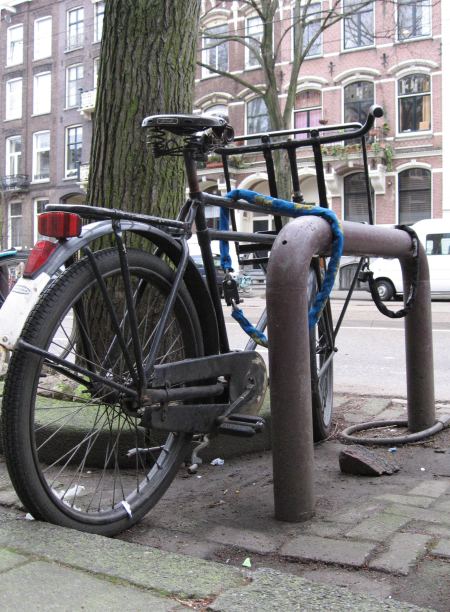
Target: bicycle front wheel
x,y
321,357
74,448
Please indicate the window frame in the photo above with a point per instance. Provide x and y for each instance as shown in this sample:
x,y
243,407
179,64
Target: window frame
x,y
319,41
363,190
37,39
69,82
8,85
413,4
99,14
36,151
10,217
71,173
78,36
306,110
9,156
38,96
405,133
10,48
358,14
414,190
249,102
205,51
248,53
363,116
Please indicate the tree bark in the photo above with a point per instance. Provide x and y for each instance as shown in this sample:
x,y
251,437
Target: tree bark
x,y
147,67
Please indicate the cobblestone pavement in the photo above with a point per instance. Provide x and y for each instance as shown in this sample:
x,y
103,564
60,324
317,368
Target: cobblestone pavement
x,y
388,537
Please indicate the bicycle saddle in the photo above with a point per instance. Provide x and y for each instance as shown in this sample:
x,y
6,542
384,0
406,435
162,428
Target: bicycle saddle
x,y
185,125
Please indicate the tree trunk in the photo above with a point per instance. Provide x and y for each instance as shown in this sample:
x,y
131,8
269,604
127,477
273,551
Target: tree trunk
x,y
147,67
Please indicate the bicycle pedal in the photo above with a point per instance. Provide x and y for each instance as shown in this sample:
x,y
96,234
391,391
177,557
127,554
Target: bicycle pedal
x,y
242,425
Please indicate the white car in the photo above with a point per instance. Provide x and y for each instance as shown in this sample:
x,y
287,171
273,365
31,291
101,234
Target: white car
x,y
434,234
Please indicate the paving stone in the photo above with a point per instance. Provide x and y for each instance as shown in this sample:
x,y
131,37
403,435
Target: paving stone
x,y
9,559
438,531
431,488
325,529
69,589
355,513
147,568
392,414
329,550
409,500
374,405
404,551
271,590
243,538
378,527
442,549
443,505
420,514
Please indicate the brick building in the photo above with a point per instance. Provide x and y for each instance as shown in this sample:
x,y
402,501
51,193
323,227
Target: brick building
x,y
358,61
49,59
48,63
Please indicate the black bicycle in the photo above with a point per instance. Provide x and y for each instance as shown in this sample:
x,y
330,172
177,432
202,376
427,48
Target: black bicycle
x,y
93,437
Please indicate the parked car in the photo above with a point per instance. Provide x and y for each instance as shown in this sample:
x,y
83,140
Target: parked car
x,y
434,234
220,274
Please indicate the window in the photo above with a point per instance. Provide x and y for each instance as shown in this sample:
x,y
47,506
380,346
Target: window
x,y
358,98
42,38
39,207
355,198
13,99
257,117
254,34
74,81
42,93
358,26
437,244
215,53
13,165
41,156
414,195
14,45
74,143
309,19
75,28
15,228
414,103
413,19
308,110
99,13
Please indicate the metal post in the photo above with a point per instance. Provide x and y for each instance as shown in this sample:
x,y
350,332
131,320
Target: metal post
x,y
289,362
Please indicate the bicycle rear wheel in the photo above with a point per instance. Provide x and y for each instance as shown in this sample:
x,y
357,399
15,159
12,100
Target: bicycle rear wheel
x,y
74,448
321,352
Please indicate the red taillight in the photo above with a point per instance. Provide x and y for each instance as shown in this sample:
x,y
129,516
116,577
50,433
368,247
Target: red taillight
x,y
38,256
59,224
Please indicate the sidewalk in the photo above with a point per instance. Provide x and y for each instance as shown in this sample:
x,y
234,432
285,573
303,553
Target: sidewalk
x,y
373,544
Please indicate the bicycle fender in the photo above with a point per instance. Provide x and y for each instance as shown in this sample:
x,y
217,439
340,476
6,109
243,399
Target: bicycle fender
x,y
17,306
170,247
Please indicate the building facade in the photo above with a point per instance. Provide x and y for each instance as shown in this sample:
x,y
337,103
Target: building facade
x,y
389,52
49,55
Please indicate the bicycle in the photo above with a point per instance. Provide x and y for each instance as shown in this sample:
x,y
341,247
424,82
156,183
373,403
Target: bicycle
x,y
95,437
12,263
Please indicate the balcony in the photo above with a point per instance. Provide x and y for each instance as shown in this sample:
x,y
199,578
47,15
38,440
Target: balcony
x,y
15,182
87,105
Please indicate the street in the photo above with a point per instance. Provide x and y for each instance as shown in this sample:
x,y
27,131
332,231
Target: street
x,y
371,354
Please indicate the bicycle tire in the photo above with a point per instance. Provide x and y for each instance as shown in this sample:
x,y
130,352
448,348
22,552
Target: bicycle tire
x,y
321,348
58,437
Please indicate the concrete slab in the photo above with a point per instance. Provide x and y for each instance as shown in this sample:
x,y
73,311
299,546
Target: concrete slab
x,y
329,550
403,552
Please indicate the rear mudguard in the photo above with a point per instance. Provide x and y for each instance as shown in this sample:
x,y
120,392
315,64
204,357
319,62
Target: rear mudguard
x,y
25,293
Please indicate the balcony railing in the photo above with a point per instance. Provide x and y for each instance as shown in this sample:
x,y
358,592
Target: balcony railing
x,y
88,98
15,182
